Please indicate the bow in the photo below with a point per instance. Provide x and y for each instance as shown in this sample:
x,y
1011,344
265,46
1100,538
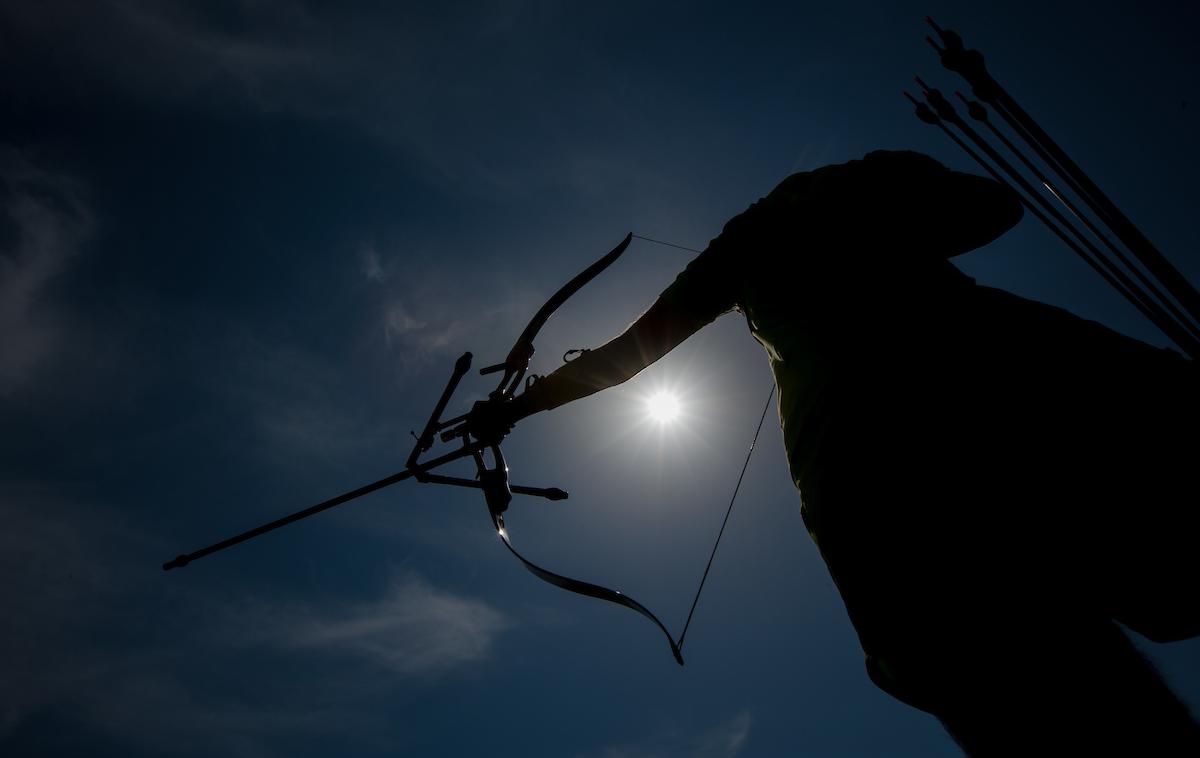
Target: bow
x,y
493,479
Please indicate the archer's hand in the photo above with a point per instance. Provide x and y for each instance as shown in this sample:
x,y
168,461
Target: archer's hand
x,y
490,421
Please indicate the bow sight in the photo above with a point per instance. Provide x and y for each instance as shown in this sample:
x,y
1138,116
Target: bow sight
x,y
492,480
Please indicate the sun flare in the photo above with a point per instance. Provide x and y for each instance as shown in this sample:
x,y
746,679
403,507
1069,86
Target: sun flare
x,y
662,407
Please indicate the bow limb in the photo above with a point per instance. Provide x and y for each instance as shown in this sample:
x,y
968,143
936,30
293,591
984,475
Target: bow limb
x,y
587,589
517,362
570,288
495,480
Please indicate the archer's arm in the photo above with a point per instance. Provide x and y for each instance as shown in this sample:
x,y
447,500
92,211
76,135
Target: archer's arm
x,y
655,333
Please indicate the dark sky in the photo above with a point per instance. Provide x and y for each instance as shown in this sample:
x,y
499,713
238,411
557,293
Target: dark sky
x,y
241,244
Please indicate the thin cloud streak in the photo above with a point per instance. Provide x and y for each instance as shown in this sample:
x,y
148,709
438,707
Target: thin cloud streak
x,y
415,629
50,221
398,83
422,312
70,650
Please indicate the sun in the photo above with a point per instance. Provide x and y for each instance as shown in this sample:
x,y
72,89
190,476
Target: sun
x,y
662,407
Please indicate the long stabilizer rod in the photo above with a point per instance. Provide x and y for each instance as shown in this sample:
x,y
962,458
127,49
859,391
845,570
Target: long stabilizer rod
x,y
180,561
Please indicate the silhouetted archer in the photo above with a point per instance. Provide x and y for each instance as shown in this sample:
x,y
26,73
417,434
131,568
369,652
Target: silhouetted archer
x,y
993,483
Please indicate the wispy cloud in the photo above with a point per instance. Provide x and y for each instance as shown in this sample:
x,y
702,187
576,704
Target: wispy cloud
x,y
438,329
424,309
93,635
725,740
400,324
174,50
438,84
415,629
372,268
48,221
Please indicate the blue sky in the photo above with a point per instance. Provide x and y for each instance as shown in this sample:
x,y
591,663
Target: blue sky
x,y
241,244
